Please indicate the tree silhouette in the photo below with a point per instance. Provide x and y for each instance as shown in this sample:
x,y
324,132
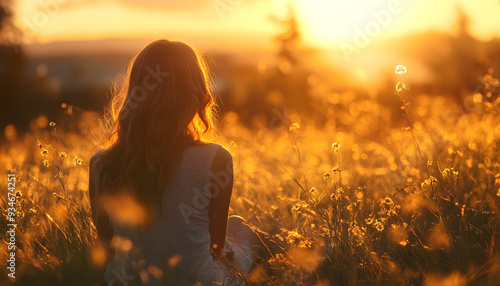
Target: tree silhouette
x,y
12,72
290,42
290,77
9,33
5,14
465,57
463,23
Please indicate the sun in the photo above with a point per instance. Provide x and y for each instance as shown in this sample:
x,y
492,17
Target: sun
x,y
328,22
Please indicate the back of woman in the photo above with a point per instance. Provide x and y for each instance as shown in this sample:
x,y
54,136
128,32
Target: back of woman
x,y
176,246
159,192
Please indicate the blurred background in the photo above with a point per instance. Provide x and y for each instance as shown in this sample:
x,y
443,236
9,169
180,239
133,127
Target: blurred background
x,y
359,174
60,56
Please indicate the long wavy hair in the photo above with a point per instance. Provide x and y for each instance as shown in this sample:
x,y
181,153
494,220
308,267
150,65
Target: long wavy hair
x,y
163,105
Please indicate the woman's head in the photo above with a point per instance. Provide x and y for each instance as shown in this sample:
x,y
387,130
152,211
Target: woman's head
x,y
164,103
167,94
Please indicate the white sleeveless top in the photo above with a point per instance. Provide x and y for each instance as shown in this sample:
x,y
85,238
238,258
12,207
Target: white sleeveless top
x,y
178,245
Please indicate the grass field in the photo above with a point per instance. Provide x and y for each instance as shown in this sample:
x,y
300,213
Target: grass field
x,y
357,201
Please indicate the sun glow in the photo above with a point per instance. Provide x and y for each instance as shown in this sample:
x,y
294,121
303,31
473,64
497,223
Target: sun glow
x,y
330,22
323,23
327,22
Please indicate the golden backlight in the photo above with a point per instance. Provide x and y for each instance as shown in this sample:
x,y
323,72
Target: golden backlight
x,y
363,136
329,22
322,22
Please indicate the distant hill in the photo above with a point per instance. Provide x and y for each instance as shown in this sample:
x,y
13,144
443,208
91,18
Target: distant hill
x,y
93,47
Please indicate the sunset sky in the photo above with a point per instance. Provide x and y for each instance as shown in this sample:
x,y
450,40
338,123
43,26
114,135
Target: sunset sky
x,y
324,23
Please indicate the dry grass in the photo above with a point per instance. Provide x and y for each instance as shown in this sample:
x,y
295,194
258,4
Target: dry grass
x,y
353,202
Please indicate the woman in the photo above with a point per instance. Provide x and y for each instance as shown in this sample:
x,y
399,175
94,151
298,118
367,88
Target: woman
x,y
160,194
